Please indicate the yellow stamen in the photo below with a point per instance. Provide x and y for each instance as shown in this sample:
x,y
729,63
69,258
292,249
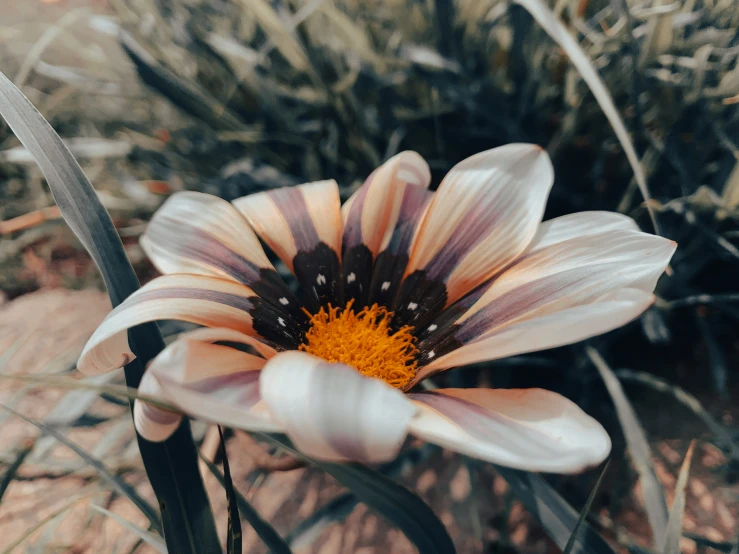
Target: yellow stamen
x,y
365,342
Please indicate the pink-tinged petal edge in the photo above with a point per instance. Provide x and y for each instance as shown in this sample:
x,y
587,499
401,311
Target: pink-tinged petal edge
x,y
529,429
208,381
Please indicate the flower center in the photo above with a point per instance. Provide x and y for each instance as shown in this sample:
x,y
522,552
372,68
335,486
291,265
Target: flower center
x,y
364,341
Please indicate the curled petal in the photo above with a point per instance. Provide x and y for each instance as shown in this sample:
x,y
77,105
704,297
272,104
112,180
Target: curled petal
x,y
331,412
152,422
207,381
529,429
199,299
302,225
483,216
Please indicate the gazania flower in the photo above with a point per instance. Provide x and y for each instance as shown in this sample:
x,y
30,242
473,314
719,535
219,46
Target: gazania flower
x,y
398,284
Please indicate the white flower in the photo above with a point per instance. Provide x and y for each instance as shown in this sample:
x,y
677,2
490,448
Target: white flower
x,y
398,284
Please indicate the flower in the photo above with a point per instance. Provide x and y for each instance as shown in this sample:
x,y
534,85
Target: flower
x,y
398,284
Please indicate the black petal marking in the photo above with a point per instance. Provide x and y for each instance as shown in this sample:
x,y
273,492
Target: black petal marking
x,y
319,273
275,326
357,274
419,301
452,313
386,277
437,345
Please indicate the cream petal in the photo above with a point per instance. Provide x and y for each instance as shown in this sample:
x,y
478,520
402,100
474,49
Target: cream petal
x,y
392,261
554,231
153,423
302,225
215,334
371,216
529,429
208,381
579,224
199,233
566,326
548,279
208,301
483,216
202,234
637,260
331,412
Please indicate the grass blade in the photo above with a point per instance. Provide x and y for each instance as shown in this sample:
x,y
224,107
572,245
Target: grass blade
x,y
13,468
558,518
397,504
189,526
641,455
153,540
116,483
233,535
585,511
338,509
266,532
307,531
549,22
670,542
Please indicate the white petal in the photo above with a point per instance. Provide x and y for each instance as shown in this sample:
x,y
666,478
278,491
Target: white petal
x,y
331,412
529,429
567,326
579,224
206,381
485,213
553,279
199,233
295,219
635,259
208,301
483,216
372,214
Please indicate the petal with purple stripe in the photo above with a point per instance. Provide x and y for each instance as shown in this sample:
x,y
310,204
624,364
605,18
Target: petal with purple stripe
x,y
555,231
331,412
207,381
483,216
580,271
207,301
371,218
529,429
202,234
392,261
302,225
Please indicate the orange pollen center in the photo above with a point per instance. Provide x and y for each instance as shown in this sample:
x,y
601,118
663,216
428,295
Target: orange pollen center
x,y
364,341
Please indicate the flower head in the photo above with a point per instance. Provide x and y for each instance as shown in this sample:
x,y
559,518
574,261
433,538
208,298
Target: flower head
x,y
398,284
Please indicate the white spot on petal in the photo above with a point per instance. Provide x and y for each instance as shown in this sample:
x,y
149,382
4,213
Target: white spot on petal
x,y
433,327
385,285
351,277
321,279
412,306
284,301
431,354
281,321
